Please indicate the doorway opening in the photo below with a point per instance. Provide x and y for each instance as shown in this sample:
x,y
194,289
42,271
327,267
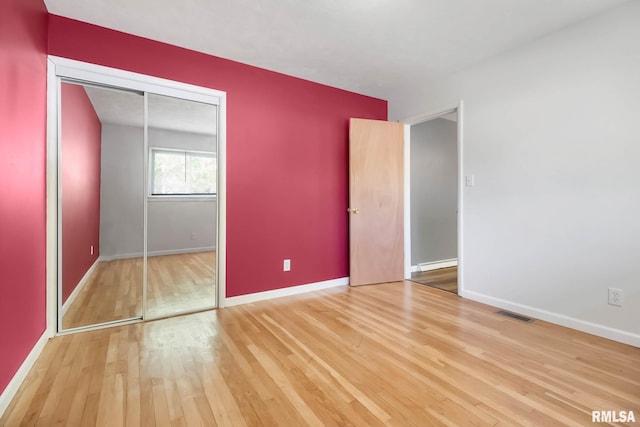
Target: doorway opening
x,y
433,155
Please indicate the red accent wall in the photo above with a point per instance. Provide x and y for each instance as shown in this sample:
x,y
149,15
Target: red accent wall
x,y
23,79
287,154
81,133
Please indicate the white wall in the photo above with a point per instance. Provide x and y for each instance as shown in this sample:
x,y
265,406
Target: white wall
x,y
434,191
174,225
552,134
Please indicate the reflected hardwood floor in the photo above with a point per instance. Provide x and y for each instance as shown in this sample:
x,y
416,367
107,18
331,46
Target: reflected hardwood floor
x,y
114,291
442,278
392,354
179,283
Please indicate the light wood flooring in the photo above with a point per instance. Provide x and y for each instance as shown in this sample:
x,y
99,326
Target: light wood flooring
x,y
112,292
442,278
175,283
397,354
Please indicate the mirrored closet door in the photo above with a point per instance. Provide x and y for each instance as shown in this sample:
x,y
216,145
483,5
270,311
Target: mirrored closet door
x,y
100,208
137,208
181,206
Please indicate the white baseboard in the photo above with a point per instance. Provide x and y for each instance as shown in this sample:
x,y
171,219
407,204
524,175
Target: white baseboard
x,y
157,253
79,286
558,319
181,251
434,265
12,388
283,292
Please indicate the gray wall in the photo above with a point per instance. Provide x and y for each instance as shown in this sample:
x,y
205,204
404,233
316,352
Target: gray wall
x,y
434,191
174,224
122,192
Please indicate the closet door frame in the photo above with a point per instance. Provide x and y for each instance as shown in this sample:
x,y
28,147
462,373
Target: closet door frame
x,y
62,68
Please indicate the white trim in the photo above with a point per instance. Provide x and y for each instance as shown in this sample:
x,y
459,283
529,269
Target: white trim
x,y
12,388
285,292
52,200
221,197
145,207
81,284
58,153
420,118
108,258
414,120
407,201
95,327
435,265
93,73
460,272
558,319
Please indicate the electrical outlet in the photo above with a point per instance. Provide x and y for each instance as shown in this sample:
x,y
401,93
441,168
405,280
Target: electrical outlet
x,y
470,180
615,297
193,236
286,265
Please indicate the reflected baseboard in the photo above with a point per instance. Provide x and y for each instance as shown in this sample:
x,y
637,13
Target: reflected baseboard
x,y
157,253
79,286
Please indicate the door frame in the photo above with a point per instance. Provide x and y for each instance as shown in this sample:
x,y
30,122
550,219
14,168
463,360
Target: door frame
x,y
77,70
414,120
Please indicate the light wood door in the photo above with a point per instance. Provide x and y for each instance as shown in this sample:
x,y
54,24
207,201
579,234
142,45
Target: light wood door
x,y
376,186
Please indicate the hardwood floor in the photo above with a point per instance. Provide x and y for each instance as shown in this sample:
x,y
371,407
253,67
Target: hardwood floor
x,y
392,354
175,283
442,278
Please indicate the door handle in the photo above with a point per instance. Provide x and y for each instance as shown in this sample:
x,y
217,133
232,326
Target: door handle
x,y
354,211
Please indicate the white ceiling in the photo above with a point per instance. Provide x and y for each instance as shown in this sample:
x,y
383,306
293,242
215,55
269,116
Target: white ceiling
x,y
374,47
126,108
